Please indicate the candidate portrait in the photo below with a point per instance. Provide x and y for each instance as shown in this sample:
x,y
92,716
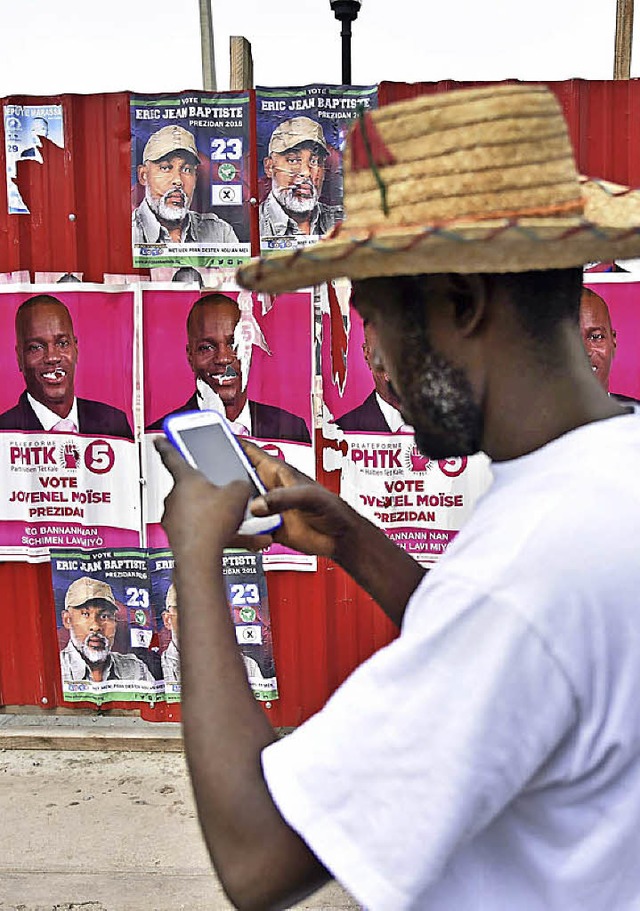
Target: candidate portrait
x,y
295,164
46,350
220,338
169,173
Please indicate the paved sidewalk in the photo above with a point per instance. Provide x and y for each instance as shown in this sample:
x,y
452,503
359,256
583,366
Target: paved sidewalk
x,y
94,731
97,815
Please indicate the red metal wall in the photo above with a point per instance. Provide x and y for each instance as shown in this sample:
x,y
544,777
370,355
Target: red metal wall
x,y
323,625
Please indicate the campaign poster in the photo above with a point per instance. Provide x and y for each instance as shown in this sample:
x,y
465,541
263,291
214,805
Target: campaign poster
x,y
419,503
27,129
68,461
301,135
248,601
105,626
240,354
190,180
610,328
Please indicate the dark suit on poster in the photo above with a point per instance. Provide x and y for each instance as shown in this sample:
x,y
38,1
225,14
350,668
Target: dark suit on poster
x,y
624,399
94,418
366,417
267,422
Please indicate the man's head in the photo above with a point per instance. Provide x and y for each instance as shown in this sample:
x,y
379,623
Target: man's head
x,y
447,342
170,613
598,336
380,376
39,126
89,614
212,349
188,274
47,352
169,173
295,163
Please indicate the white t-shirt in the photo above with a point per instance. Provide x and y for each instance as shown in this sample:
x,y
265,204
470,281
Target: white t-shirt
x,y
489,758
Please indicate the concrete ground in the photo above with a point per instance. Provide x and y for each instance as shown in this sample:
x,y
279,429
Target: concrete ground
x,y
88,825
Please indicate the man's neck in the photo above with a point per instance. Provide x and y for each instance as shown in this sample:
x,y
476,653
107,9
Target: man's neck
x,y
529,405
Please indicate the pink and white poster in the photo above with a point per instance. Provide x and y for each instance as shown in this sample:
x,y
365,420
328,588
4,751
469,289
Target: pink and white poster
x,y
610,326
233,352
68,461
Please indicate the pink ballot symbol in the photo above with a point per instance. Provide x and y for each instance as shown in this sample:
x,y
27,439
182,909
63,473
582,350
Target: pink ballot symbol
x,y
418,461
71,456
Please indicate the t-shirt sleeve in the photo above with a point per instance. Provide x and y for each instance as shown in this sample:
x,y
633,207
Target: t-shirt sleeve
x,y
422,747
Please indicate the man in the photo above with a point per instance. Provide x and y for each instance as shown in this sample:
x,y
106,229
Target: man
x,y
47,354
295,165
599,337
213,353
39,127
380,411
90,616
488,757
170,658
168,173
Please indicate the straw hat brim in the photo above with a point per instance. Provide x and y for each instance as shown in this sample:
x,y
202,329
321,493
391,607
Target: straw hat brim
x,y
608,228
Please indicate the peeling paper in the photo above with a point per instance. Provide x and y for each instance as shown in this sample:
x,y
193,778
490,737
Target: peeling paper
x,y
25,128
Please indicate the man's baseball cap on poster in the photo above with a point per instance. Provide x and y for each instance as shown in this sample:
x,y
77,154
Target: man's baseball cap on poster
x,y
291,133
473,181
86,589
168,140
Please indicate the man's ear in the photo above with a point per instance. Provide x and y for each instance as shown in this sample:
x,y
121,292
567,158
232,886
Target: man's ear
x,y
469,294
268,166
66,619
142,174
614,339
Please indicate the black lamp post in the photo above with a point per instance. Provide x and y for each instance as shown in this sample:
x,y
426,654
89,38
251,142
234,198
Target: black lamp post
x,y
347,12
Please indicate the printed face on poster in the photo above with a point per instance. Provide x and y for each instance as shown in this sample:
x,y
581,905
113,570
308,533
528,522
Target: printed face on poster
x,y
219,351
610,327
248,600
301,137
105,626
69,463
190,180
27,130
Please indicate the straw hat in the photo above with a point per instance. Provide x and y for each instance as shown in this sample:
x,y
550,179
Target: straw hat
x,y
479,180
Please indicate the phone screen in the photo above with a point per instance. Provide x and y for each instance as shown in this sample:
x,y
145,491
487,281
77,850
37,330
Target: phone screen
x,y
215,456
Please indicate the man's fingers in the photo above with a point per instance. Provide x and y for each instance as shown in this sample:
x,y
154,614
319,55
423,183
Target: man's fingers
x,y
171,459
300,496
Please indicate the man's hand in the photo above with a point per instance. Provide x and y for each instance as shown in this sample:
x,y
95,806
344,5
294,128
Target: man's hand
x,y
314,521
199,518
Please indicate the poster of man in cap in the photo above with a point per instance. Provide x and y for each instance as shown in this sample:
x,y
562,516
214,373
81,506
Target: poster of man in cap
x,y
69,466
105,626
190,180
301,135
247,595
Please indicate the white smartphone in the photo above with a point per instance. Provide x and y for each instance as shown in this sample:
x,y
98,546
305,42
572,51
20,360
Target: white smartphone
x,y
206,441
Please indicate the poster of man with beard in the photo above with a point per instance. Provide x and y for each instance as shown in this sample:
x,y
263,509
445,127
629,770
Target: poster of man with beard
x,y
190,180
301,134
105,626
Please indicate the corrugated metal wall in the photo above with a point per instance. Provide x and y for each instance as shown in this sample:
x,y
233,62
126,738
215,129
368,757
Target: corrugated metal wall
x,y
323,625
